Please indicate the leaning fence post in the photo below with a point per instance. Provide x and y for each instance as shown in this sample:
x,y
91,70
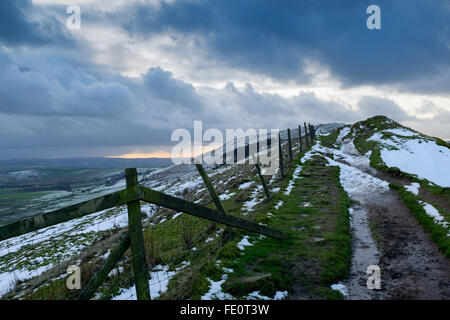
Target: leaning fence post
x,y
300,137
99,278
289,144
210,187
261,177
280,155
137,240
306,135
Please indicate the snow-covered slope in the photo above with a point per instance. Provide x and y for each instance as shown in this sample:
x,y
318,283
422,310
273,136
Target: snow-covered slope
x,y
401,147
418,156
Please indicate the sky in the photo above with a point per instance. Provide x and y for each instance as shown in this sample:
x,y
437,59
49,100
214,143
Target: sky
x,y
136,70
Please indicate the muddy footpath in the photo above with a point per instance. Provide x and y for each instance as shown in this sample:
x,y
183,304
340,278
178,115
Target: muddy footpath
x,y
410,263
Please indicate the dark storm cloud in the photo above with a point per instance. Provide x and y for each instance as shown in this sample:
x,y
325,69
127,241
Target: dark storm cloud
x,y
275,38
22,23
57,99
48,103
161,85
57,90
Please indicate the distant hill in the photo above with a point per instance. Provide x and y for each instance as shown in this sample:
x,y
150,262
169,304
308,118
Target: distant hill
x,y
103,163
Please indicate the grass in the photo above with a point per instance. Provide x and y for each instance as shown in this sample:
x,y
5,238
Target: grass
x,y
438,233
365,129
321,238
329,140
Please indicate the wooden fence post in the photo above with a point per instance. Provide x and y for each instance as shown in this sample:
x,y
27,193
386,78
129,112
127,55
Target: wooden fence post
x,y
300,137
210,187
99,278
140,267
280,155
306,135
261,177
289,144
310,134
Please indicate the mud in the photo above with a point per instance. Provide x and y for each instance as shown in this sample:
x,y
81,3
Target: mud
x,y
364,249
411,265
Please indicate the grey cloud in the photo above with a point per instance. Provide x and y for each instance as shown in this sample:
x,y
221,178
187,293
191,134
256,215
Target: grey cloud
x,y
62,90
23,23
275,39
55,105
372,106
161,85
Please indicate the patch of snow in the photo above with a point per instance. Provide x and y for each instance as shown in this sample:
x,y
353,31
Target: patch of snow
x,y
81,228
341,288
246,185
177,215
279,204
434,213
106,255
215,290
116,270
249,205
274,176
200,190
244,243
256,295
295,176
423,158
413,188
226,196
401,132
344,131
159,279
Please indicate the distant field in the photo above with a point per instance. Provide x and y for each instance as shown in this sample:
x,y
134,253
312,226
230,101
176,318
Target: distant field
x,y
27,191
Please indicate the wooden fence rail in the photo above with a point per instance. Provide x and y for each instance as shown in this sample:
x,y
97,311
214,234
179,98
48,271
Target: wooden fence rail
x,y
132,196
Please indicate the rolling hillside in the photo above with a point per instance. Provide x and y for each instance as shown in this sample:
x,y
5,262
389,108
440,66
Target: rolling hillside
x,y
371,193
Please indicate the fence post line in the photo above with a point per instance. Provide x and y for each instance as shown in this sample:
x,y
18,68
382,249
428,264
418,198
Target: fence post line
x,y
210,187
99,278
300,137
306,135
141,272
289,144
280,155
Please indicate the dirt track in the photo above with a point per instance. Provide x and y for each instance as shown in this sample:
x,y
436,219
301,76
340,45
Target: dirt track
x,y
411,265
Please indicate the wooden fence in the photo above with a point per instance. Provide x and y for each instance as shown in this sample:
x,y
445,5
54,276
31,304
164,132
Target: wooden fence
x,y
132,195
